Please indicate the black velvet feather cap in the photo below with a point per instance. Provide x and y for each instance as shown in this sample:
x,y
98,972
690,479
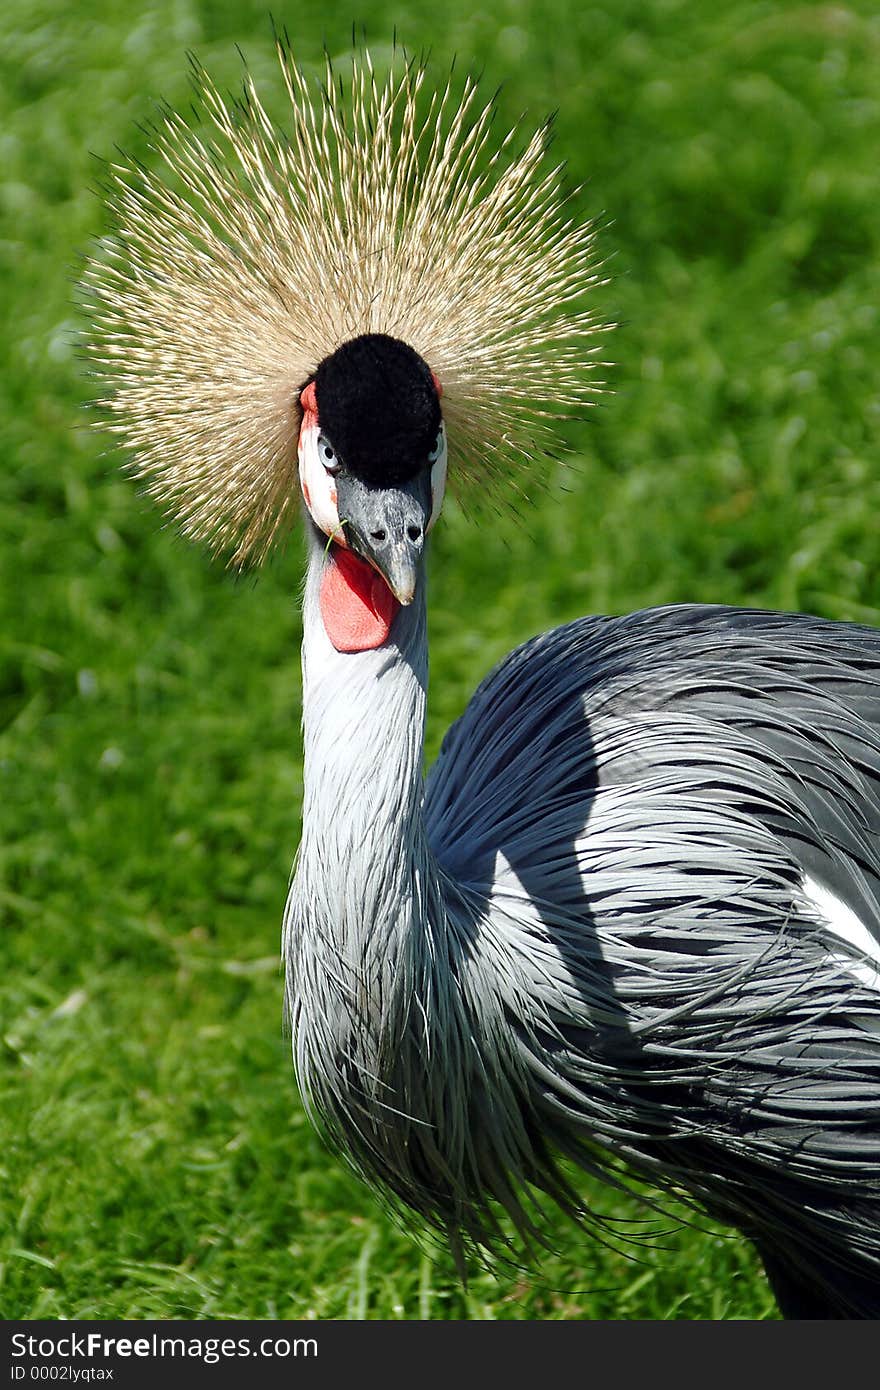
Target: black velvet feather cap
x,y
379,407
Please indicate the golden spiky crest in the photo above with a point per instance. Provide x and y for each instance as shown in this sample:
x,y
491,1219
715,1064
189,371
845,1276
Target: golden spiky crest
x,y
249,254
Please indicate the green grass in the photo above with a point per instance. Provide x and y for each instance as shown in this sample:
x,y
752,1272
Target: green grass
x,y
154,1158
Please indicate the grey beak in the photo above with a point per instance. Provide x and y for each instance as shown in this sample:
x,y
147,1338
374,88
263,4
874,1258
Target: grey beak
x,y
387,527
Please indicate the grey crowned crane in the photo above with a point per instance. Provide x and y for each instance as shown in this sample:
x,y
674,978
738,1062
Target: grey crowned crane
x,y
633,914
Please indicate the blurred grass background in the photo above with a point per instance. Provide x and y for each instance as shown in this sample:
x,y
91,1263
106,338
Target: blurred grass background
x,y
154,1159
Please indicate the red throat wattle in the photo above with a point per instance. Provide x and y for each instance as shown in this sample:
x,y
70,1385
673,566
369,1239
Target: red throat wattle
x,y
357,606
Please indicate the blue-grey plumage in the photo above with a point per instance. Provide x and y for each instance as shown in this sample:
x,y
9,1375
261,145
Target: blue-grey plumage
x,y
633,914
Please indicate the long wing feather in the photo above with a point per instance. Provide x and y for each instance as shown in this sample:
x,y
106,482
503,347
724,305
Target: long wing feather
x,y
657,811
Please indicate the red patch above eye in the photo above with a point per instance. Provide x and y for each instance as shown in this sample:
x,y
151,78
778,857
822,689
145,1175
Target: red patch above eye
x,y
309,406
357,606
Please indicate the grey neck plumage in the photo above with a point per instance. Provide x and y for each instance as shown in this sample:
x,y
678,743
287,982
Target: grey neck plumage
x,y
363,725
365,894
382,981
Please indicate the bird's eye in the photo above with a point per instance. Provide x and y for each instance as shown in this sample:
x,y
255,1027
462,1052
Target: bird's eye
x,y
328,455
437,449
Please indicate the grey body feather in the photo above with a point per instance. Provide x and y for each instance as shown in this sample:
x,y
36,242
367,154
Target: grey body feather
x,y
587,934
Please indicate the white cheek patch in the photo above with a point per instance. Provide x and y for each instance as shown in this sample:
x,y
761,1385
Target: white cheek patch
x,y
318,486
438,484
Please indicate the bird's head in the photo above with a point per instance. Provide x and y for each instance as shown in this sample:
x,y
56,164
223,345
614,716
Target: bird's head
x,y
372,468
236,302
